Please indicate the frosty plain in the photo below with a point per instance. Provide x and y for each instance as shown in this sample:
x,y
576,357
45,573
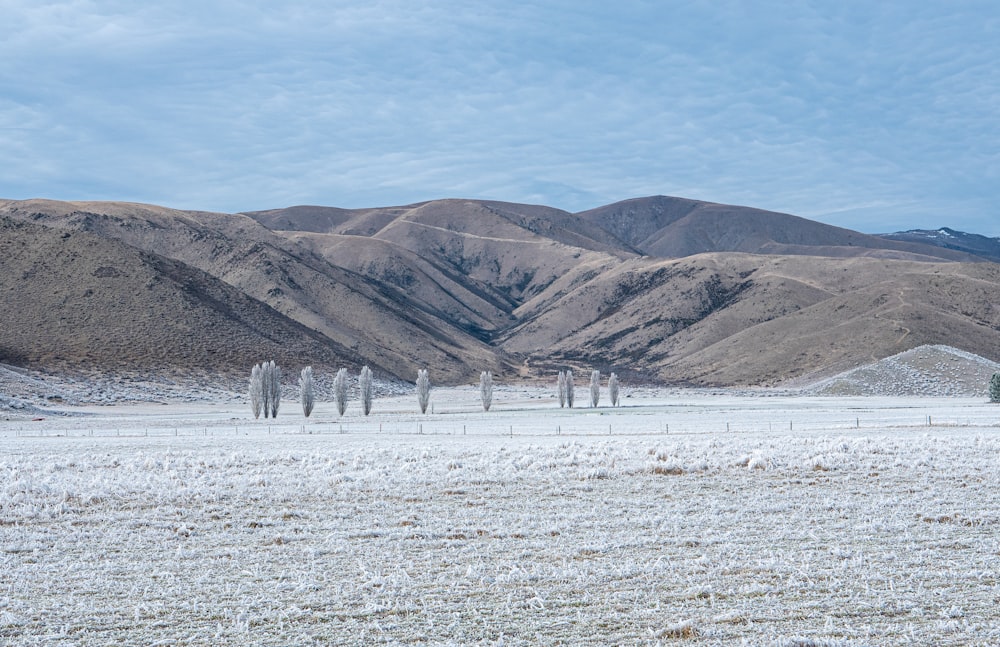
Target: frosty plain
x,y
686,518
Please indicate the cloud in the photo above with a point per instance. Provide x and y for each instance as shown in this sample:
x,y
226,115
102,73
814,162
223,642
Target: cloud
x,y
820,110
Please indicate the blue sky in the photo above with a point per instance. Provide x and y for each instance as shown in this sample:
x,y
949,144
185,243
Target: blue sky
x,y
877,116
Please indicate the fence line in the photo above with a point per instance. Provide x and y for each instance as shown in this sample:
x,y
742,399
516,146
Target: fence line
x,y
479,426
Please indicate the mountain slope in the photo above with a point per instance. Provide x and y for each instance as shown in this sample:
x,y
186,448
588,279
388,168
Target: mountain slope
x,y
373,320
472,262
988,248
463,285
669,227
488,218
722,319
73,298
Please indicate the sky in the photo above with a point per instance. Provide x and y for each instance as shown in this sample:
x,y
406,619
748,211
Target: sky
x,y
876,116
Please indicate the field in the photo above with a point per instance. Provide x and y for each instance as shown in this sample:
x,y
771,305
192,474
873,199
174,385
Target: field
x,y
687,518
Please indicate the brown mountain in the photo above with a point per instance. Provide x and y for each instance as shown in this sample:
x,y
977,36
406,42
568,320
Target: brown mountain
x,y
668,227
373,320
72,298
661,288
984,246
752,319
470,262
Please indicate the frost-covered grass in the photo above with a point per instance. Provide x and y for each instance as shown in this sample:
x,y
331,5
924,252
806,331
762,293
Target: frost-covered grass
x,y
822,534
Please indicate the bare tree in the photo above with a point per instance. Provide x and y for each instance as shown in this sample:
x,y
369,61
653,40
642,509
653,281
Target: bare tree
x,y
561,385
365,386
423,389
306,391
265,388
613,389
595,387
256,390
569,388
340,390
486,389
274,384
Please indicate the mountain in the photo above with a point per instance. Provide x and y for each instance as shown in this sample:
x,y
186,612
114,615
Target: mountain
x,y
662,289
988,248
74,298
373,320
667,227
727,318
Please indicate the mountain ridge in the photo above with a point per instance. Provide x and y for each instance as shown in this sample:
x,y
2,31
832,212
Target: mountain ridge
x,y
948,238
668,289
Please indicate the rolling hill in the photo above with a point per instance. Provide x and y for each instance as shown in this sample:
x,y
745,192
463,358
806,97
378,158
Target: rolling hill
x,y
76,299
661,289
984,246
670,227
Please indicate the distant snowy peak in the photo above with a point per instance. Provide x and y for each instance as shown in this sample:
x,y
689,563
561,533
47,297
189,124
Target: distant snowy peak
x,y
948,238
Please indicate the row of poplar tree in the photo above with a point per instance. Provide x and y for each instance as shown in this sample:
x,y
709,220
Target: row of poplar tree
x,y
265,389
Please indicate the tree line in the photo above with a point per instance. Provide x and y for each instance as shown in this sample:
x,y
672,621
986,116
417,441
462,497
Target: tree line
x,y
265,389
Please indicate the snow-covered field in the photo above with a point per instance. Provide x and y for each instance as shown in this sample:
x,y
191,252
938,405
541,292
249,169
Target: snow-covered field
x,y
680,518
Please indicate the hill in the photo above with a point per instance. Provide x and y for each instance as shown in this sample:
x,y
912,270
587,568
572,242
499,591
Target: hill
x,y
988,248
932,371
75,299
347,310
664,289
725,319
668,227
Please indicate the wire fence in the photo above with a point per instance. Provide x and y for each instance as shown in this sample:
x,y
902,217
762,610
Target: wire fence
x,y
612,422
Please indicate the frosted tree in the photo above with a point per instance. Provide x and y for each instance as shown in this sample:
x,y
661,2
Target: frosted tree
x,y
340,390
561,385
306,391
273,384
365,386
595,387
995,388
423,390
265,389
256,390
613,389
569,388
486,389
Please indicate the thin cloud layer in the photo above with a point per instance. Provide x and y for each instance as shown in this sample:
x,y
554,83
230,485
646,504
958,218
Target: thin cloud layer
x,y
875,117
